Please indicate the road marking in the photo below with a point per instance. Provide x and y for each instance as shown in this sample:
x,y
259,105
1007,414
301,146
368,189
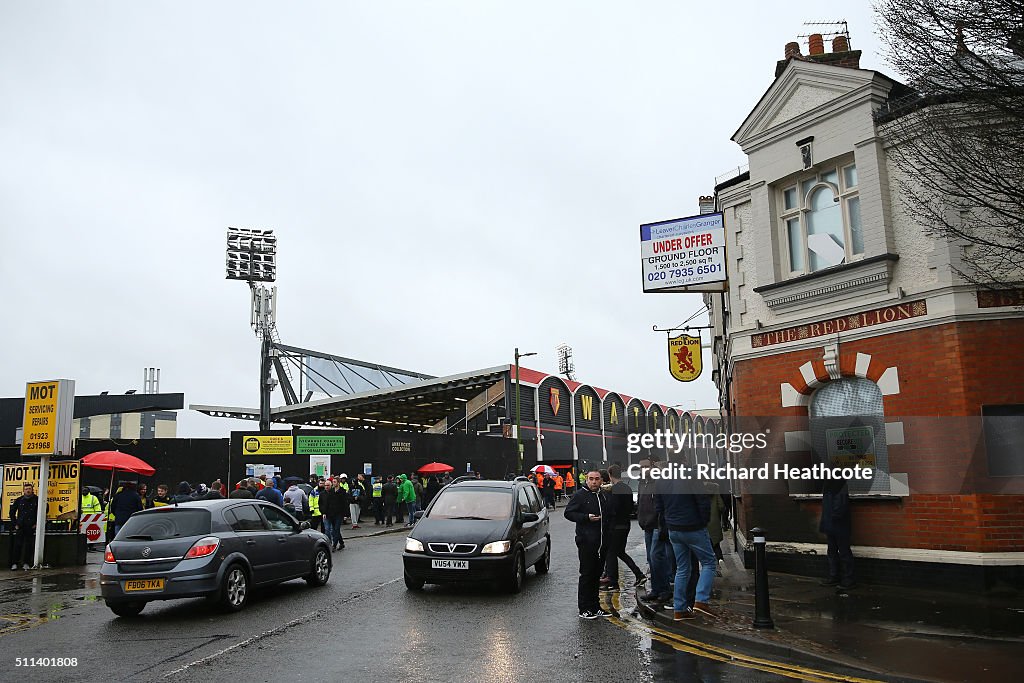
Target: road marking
x,y
279,629
726,655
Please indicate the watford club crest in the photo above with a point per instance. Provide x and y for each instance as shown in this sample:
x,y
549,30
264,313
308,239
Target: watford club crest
x,y
555,396
684,357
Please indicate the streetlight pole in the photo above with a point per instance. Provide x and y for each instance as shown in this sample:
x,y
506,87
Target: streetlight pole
x,y
519,438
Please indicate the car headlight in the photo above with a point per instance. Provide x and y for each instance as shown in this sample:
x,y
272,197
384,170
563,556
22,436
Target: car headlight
x,y
413,546
496,548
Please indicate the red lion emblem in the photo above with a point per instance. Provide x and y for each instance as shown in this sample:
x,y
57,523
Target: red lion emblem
x,y
684,359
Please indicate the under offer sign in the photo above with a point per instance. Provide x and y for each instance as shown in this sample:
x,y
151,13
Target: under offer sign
x,y
684,254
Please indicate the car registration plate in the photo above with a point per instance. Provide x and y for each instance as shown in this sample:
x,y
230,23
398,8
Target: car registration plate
x,y
134,585
449,564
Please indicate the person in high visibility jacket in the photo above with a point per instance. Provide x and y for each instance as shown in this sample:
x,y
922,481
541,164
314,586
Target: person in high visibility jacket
x,y
559,483
315,516
378,501
570,483
91,505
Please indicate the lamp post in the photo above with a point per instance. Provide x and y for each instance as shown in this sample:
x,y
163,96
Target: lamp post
x,y
519,438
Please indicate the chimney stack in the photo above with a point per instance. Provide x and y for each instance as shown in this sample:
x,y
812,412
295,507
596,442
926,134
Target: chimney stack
x,y
792,50
816,44
840,44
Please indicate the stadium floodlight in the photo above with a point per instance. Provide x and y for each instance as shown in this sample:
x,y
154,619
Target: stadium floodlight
x,y
251,255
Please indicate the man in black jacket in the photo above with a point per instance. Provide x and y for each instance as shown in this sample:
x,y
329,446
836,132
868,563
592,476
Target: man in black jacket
x,y
333,502
591,509
622,505
23,515
124,504
390,495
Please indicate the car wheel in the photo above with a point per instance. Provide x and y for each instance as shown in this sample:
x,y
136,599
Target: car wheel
x,y
126,608
234,588
515,580
544,563
321,568
413,584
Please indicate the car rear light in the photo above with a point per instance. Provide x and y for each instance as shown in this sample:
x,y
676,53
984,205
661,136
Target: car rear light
x,y
109,556
203,547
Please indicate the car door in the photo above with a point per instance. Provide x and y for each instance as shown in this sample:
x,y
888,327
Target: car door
x,y
527,530
545,517
292,554
255,541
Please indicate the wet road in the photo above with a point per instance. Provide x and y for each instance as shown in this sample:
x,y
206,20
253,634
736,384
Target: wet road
x,y
364,625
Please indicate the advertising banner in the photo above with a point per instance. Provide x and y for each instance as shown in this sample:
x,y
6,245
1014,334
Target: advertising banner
x,y
62,487
256,444
684,254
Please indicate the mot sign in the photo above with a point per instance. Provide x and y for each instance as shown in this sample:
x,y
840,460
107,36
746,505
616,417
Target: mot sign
x,y
684,254
49,409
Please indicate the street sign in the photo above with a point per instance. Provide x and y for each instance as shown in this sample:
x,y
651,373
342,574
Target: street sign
x,y
62,497
49,411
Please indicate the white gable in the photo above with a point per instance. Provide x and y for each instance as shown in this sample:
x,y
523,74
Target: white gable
x,y
802,88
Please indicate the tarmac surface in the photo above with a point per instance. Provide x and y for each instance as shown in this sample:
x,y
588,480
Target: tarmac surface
x,y
365,625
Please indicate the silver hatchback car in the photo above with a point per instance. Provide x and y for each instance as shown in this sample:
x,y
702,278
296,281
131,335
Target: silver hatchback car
x,y
219,549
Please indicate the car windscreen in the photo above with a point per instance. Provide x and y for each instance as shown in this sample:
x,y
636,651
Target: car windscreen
x,y
158,526
454,503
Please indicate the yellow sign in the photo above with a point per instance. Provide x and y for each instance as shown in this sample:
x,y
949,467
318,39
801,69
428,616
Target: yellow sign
x,y
62,487
684,358
39,428
267,445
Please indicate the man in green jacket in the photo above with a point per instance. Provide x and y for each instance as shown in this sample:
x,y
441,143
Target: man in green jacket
x,y
407,495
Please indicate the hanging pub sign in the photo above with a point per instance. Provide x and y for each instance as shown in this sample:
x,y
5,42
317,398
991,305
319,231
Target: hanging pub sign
x,y
684,357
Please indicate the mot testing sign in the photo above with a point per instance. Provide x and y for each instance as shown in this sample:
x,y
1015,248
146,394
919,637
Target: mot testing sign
x,y
49,410
684,254
61,484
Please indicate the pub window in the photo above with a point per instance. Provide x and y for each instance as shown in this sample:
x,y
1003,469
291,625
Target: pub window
x,y
848,429
1004,439
820,219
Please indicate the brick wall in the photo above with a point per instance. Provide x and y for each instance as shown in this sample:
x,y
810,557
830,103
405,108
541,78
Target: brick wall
x,y
946,373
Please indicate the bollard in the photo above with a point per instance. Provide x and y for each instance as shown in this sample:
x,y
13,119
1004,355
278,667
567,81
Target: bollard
x,y
762,608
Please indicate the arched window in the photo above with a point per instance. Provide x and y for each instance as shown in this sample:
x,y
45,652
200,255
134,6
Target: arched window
x,y
845,397
848,429
820,216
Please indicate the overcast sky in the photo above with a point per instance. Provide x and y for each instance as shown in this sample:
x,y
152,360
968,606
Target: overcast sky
x,y
447,180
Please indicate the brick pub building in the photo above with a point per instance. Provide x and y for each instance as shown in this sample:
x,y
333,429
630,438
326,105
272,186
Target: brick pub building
x,y
842,312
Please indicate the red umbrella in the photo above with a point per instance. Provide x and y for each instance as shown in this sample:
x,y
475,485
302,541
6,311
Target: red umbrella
x,y
116,460
435,468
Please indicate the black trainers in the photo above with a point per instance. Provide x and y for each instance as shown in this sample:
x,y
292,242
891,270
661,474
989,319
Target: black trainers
x,y
610,588
588,615
829,582
602,613
640,581
846,586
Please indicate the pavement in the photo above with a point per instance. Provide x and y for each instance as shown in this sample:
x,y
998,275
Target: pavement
x,y
896,633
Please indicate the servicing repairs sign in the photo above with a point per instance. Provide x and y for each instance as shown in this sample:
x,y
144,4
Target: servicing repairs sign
x,y
684,254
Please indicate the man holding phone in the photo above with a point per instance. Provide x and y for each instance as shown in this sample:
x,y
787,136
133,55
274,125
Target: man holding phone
x,y
587,508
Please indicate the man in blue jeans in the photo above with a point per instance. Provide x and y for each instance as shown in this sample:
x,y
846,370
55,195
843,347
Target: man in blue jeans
x,y
684,518
659,554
